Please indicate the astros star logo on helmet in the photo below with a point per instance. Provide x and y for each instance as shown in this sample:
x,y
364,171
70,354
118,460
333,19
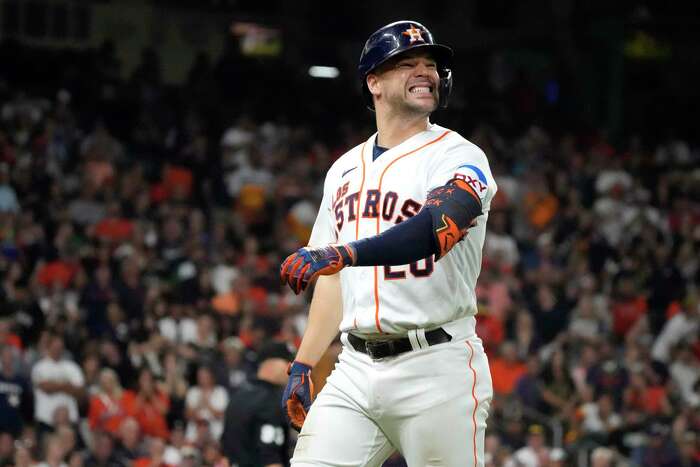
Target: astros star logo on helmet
x,y
414,33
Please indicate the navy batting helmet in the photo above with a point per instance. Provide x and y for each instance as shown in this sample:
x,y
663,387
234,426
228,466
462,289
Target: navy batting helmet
x,y
396,38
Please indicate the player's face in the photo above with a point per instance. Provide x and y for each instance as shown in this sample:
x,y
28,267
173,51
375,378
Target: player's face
x,y
411,83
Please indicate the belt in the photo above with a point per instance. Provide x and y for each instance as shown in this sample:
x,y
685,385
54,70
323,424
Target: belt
x,y
377,349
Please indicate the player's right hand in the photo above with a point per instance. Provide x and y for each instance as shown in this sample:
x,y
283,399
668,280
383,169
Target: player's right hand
x,y
303,266
298,395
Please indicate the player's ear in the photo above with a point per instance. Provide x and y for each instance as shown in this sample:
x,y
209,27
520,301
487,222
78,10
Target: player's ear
x,y
373,84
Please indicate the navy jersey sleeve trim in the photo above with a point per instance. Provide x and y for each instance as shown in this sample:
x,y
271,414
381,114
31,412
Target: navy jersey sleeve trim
x,y
409,241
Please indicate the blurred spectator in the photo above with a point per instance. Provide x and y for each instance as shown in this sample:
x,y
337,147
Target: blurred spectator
x,y
647,394
87,209
53,453
506,369
111,405
526,337
151,406
586,321
58,383
557,458
7,448
689,451
551,314
659,451
535,453
155,457
599,418
233,370
205,340
682,325
23,457
69,440
685,373
529,387
603,457
129,441
205,403
539,203
558,392
607,375
15,393
96,297
8,196
175,385
627,307
500,247
102,453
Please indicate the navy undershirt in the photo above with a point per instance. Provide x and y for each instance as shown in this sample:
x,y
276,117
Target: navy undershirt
x,y
377,151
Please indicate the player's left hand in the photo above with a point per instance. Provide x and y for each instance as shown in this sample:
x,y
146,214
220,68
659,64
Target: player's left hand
x,y
303,266
298,395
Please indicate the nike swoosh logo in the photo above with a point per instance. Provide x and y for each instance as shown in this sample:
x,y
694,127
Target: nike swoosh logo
x,y
348,171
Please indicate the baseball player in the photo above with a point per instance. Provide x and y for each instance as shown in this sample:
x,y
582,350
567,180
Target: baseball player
x,y
396,248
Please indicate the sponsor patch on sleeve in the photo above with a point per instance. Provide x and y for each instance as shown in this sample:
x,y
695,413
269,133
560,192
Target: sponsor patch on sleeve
x,y
475,177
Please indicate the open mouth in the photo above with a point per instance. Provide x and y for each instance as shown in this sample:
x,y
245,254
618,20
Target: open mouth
x,y
420,89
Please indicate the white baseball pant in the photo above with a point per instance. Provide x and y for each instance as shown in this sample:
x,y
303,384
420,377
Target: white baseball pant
x,y
430,404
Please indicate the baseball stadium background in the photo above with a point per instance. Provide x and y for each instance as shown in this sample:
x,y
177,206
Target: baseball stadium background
x,y
159,158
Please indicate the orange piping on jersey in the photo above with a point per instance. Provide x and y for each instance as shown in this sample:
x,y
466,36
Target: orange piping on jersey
x,y
359,199
476,402
381,178
376,299
359,193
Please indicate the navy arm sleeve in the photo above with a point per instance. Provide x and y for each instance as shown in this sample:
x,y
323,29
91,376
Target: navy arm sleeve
x,y
448,212
404,243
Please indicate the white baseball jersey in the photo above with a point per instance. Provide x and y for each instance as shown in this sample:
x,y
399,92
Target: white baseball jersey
x,y
364,197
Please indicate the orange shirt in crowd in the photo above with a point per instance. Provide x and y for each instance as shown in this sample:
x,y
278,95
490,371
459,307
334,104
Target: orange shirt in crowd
x,y
148,462
228,303
14,340
114,229
626,313
108,414
653,400
649,400
541,208
490,329
54,272
151,415
505,375
177,182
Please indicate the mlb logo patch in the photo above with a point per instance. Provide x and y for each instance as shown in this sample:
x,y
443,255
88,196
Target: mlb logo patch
x,y
475,177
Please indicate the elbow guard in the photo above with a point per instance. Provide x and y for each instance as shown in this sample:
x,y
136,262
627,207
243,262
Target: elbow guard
x,y
453,207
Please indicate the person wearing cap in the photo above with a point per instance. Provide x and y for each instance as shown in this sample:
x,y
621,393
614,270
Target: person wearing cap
x,y
255,430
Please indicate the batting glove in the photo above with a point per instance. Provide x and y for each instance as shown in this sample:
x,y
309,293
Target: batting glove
x,y
303,266
298,395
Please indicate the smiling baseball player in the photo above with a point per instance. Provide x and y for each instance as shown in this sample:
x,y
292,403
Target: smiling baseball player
x,y
396,248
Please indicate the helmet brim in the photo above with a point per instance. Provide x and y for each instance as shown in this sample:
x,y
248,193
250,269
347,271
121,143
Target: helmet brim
x,y
441,53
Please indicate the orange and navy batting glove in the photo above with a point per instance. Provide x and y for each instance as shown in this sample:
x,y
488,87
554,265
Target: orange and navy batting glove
x,y
298,395
303,266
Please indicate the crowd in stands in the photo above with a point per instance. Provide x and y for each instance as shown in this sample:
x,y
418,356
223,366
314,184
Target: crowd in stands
x,y
139,267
